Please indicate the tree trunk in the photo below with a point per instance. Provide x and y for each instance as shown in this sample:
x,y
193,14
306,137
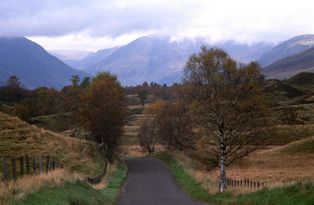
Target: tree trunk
x,y
222,180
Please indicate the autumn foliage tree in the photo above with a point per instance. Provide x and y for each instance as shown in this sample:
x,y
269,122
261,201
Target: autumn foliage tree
x,y
228,104
149,126
102,111
176,126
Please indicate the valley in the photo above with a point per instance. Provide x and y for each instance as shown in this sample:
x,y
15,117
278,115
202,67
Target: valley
x,y
55,128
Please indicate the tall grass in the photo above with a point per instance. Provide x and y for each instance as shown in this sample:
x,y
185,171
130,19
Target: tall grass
x,y
62,187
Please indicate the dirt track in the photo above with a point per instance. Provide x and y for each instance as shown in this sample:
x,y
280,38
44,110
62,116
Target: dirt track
x,y
150,182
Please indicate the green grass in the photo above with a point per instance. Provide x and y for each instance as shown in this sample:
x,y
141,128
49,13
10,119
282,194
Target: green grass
x,y
79,193
5,108
301,146
116,180
299,193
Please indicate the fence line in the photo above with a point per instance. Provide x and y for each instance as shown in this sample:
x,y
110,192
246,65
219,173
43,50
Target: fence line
x,y
246,183
50,165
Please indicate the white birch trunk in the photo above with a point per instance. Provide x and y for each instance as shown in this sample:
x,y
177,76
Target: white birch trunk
x,y
222,155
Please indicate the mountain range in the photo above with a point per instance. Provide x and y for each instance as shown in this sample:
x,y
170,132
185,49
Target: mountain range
x,y
33,65
287,48
149,58
158,59
294,56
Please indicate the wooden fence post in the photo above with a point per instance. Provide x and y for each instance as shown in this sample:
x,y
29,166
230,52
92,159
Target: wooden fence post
x,y
5,170
41,163
22,166
50,165
14,169
27,163
34,164
47,164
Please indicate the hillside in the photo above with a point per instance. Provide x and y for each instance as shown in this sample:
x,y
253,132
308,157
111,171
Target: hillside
x,y
288,48
95,58
279,92
33,65
302,81
290,66
145,59
18,138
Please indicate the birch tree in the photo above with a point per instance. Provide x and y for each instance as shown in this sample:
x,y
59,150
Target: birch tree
x,y
228,103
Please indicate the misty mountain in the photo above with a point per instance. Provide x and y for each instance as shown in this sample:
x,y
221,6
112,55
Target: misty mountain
x,y
288,48
33,65
94,58
290,66
157,59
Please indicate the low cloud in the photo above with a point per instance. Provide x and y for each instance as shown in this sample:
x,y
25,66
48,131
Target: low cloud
x,y
109,21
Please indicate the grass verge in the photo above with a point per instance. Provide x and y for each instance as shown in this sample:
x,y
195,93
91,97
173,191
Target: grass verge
x,y
298,193
76,192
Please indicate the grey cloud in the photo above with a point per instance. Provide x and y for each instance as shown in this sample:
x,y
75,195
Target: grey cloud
x,y
57,18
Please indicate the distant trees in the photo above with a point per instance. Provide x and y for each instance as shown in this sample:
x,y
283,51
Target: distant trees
x,y
228,104
176,126
75,80
142,95
14,81
42,100
148,133
85,82
149,127
14,91
101,110
169,124
164,92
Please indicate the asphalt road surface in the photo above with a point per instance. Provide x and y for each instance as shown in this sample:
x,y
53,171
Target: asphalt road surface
x,y
150,182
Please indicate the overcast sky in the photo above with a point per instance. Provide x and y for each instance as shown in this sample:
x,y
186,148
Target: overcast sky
x,y
98,24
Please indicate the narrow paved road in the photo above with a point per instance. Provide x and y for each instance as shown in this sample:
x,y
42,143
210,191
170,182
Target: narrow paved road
x,y
150,182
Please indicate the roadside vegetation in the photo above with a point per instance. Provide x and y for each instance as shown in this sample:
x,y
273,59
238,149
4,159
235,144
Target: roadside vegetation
x,y
203,185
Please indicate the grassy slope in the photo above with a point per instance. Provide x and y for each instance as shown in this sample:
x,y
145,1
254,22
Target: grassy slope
x,y
299,193
18,138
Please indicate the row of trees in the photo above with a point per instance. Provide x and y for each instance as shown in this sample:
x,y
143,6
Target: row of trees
x,y
160,91
220,112
42,100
